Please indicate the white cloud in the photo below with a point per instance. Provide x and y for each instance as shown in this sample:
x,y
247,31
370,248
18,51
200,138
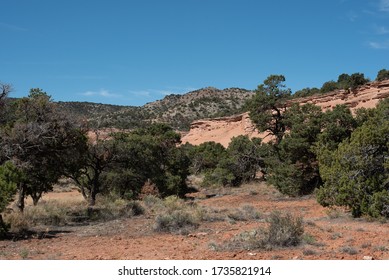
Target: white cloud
x,y
101,93
380,45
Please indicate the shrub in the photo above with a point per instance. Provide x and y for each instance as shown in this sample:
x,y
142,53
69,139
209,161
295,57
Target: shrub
x,y
284,231
245,213
114,209
349,250
240,164
383,74
179,221
8,175
356,174
329,86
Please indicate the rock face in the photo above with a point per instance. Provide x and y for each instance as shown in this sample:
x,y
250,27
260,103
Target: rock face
x,y
221,130
366,96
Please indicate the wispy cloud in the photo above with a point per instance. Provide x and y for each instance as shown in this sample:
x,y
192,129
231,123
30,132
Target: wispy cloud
x,y
163,92
81,77
12,27
384,5
101,93
352,16
141,93
380,45
381,30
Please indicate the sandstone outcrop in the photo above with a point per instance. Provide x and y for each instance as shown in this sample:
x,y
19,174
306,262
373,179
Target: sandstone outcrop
x,y
221,130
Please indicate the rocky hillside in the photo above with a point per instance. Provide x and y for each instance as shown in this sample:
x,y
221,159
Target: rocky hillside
x,y
179,111
221,130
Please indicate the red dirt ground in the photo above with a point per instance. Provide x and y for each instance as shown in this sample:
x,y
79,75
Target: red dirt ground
x,y
328,234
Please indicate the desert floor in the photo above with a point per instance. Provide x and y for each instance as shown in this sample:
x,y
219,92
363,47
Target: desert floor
x,y
328,233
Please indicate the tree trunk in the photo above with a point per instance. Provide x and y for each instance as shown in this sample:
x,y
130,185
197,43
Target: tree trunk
x,y
21,196
3,228
36,197
92,198
95,189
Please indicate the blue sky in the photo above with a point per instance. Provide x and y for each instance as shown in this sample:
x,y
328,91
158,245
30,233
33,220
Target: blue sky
x,y
136,51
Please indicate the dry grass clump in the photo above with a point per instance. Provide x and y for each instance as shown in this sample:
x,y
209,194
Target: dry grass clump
x,y
179,222
174,215
245,213
61,213
284,230
349,250
53,213
111,209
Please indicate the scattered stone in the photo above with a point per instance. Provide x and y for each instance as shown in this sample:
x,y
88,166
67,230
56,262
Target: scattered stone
x,y
368,258
198,234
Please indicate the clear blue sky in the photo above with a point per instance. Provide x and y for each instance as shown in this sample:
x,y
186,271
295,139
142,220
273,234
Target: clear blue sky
x,y
136,51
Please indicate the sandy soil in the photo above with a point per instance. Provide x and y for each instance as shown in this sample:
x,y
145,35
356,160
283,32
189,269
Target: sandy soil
x,y
328,234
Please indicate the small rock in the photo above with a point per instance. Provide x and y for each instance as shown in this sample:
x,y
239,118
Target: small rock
x,y
252,254
368,258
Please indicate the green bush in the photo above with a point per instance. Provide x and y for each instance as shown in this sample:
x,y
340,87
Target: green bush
x,y
8,178
9,175
383,74
356,174
240,164
329,86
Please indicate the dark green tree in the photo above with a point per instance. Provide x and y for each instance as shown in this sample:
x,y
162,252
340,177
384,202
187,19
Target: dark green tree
x,y
9,176
124,162
329,86
293,169
96,159
344,81
267,107
5,89
383,74
206,156
337,125
40,142
167,164
357,79
357,174
306,92
243,159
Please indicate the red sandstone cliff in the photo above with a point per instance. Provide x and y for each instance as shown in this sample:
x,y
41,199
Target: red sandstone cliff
x,y
221,130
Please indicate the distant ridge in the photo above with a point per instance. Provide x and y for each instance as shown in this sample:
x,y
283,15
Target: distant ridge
x,y
177,110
